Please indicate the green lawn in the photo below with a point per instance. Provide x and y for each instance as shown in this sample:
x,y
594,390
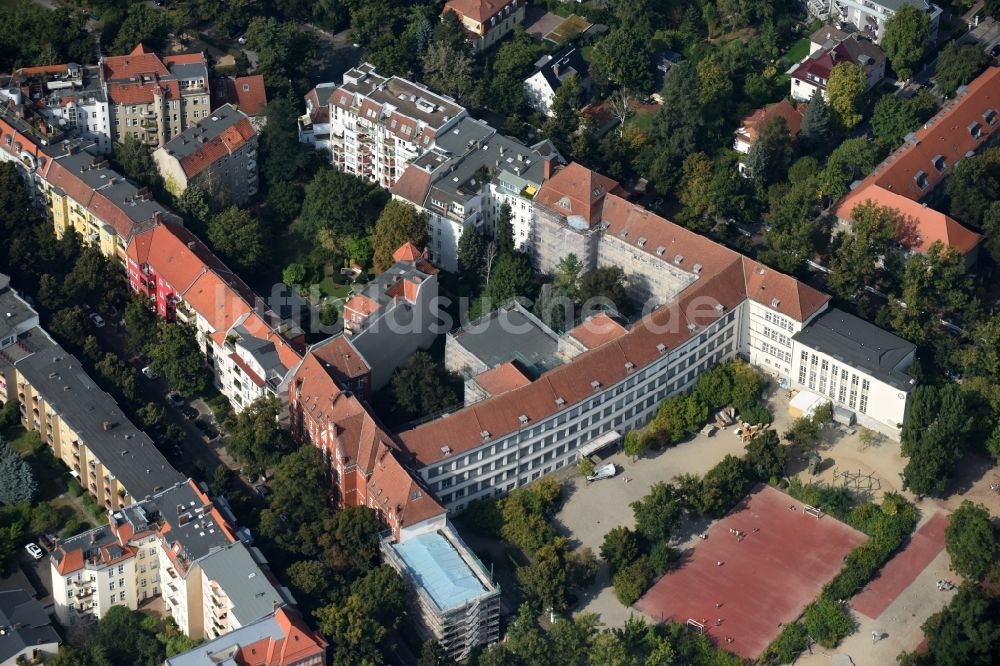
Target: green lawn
x,y
642,120
799,50
331,289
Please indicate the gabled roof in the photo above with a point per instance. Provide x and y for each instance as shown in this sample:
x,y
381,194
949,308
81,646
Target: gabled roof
x,y
821,63
781,292
341,359
247,93
922,226
575,190
413,185
792,114
597,331
505,377
478,10
137,63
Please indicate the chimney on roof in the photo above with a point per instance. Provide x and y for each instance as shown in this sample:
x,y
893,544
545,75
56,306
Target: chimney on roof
x,y
547,167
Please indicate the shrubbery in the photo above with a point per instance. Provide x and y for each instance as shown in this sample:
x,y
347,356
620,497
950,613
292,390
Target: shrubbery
x,y
827,622
633,580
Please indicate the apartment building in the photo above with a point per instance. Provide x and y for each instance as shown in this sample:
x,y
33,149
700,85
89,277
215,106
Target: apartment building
x,y
813,73
465,179
86,195
247,346
377,125
68,97
28,636
155,98
178,544
871,16
486,21
857,366
17,319
395,314
457,601
279,639
909,179
218,154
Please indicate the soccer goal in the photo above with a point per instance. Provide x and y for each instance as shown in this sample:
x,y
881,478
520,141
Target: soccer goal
x,y
696,626
813,511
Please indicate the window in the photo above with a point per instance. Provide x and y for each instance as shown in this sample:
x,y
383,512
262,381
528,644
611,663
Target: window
x,y
121,597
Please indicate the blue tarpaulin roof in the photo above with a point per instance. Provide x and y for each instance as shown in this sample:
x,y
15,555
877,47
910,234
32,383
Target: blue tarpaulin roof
x,y
440,569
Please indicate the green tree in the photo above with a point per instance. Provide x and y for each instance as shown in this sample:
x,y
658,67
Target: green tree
x,y
620,548
958,65
135,159
341,203
695,190
126,637
353,632
449,70
565,118
239,238
143,24
471,245
934,287
854,260
906,34
658,513
193,204
633,444
828,622
991,230
281,155
845,89
965,632
723,486
632,580
933,437
150,415
973,542
255,438
606,284
284,50
505,231
511,277
17,482
568,275
140,325
796,232
301,494
433,654
119,374
766,457
770,154
893,119
294,274
399,223
851,160
973,187
175,355
622,59
422,387
814,133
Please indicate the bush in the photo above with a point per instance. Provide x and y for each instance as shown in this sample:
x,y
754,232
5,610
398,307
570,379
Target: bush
x,y
633,580
662,558
794,638
75,489
755,412
9,414
620,548
72,528
828,622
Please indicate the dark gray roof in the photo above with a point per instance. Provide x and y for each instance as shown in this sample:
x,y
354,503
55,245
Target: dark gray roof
x,y
23,624
189,70
241,576
510,334
412,100
193,138
224,649
127,452
864,346
14,312
560,65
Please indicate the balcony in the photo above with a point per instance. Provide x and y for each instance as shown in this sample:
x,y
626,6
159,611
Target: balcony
x,y
251,165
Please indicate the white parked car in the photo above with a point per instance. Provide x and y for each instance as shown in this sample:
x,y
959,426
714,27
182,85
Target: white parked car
x,y
149,373
97,320
605,471
35,552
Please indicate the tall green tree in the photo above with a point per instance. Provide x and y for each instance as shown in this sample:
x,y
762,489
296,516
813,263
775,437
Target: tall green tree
x,y
238,237
255,437
906,35
658,514
855,262
972,541
341,203
958,65
893,118
422,386
814,133
135,159
448,70
399,223
934,437
770,154
565,119
471,245
177,357
973,186
622,59
505,231
846,89
17,482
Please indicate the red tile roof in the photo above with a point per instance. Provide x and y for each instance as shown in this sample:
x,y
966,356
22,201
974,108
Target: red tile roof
x,y
247,93
413,185
478,10
503,378
922,226
141,93
341,359
941,142
783,109
597,331
140,61
407,252
576,190
228,141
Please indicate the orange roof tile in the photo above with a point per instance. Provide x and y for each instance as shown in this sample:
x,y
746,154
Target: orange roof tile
x,y
477,10
242,365
503,378
216,301
247,93
576,190
138,62
783,109
412,185
597,331
229,140
407,252
341,359
922,226
141,93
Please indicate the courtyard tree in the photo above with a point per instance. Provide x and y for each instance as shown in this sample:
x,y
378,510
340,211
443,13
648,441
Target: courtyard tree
x,y
399,223
17,482
906,34
972,541
658,513
620,548
176,356
238,237
845,88
255,438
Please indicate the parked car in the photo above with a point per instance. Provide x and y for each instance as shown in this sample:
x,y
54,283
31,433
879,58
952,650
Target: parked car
x,y
35,552
262,490
605,471
175,399
149,372
211,433
97,320
189,412
202,424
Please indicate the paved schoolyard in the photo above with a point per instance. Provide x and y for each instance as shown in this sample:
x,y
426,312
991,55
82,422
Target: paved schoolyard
x,y
743,589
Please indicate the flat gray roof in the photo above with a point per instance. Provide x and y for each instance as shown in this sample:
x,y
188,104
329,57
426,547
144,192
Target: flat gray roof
x,y
14,312
251,592
508,335
867,347
224,649
127,452
401,94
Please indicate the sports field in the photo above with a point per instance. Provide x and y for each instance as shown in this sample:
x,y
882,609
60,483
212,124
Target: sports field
x,y
743,589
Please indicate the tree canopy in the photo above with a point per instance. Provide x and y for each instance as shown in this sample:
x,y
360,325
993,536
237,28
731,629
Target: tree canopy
x,y
906,35
398,224
973,542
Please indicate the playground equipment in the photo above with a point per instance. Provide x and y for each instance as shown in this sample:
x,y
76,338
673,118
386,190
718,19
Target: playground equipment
x,y
857,480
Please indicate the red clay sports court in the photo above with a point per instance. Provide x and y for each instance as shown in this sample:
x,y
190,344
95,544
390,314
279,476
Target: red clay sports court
x,y
902,569
765,580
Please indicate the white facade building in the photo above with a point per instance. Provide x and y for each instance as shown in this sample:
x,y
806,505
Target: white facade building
x,y
551,71
858,366
870,16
